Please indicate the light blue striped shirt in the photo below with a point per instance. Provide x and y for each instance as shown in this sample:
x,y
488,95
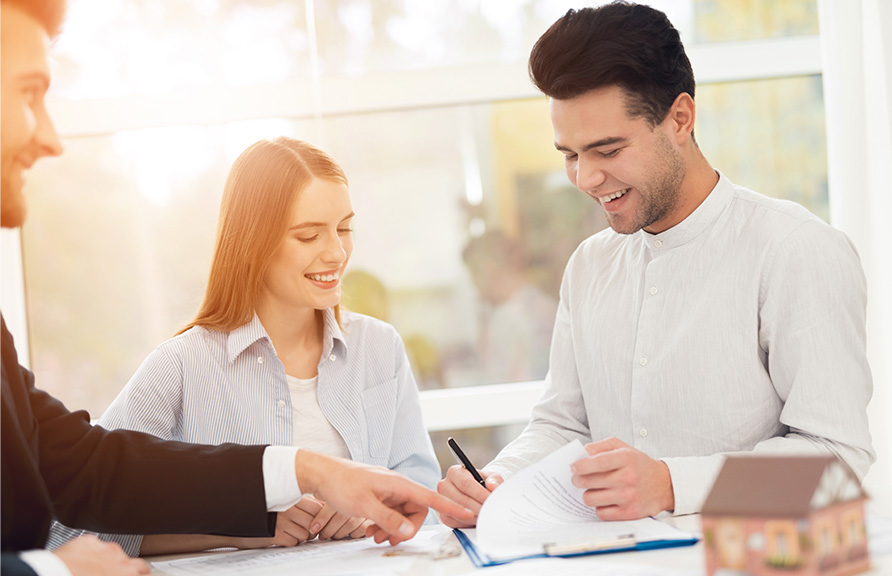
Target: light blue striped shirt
x,y
209,387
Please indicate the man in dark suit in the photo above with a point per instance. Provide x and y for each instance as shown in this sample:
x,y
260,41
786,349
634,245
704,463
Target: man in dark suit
x,y
56,465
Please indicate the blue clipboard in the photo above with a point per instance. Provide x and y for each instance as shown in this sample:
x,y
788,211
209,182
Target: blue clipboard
x,y
621,544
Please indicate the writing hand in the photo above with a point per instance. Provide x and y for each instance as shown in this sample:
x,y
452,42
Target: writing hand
x,y
459,486
90,556
396,505
623,483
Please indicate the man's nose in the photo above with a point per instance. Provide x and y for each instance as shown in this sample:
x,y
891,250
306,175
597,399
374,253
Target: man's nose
x,y
589,174
45,137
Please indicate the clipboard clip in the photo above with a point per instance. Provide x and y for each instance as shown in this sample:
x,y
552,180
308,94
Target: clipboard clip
x,y
622,541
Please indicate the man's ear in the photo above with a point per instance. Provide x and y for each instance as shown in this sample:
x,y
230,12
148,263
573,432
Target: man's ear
x,y
681,118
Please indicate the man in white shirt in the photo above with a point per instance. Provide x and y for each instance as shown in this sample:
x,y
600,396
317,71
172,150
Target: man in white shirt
x,y
56,465
708,320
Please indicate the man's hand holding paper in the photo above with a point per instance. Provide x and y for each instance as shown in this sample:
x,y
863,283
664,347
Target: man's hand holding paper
x,y
623,483
620,482
541,511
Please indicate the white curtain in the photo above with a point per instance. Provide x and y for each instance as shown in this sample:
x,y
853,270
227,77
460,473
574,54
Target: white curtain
x,y
856,49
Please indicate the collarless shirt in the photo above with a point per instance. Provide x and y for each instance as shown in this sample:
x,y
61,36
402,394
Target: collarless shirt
x,y
740,330
311,429
210,387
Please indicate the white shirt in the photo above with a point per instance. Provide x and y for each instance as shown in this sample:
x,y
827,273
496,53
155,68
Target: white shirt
x,y
206,386
312,430
741,329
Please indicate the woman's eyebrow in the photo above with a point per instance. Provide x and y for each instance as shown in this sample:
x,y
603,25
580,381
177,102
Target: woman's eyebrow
x,y
303,225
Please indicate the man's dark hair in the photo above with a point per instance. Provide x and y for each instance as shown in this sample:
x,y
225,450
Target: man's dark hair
x,y
49,13
620,44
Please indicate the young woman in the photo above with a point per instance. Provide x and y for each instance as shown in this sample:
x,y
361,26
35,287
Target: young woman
x,y
271,358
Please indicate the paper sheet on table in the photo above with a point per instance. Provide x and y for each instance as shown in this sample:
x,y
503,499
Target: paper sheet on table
x,y
582,567
540,505
329,557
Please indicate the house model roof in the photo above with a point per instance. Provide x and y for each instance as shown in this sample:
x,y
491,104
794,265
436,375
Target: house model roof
x,y
789,486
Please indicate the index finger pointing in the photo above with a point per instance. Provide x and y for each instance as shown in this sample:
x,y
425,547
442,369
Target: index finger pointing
x,y
442,504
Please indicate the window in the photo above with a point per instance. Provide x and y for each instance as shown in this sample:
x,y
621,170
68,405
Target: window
x,y
427,106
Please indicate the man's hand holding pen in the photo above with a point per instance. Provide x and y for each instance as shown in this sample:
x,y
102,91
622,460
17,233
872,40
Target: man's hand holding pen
x,y
460,487
467,486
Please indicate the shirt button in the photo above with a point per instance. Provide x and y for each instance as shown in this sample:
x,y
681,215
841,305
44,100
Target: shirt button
x,y
260,359
658,243
653,289
280,403
332,357
642,360
642,432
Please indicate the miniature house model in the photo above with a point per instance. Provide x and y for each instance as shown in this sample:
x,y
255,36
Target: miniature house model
x,y
785,516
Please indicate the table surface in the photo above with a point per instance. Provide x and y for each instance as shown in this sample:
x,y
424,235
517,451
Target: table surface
x,y
685,561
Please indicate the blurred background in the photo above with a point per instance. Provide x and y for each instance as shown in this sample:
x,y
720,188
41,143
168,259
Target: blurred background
x,y
427,106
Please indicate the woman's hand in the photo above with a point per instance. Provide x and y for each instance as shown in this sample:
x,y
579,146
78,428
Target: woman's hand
x,y
310,518
292,526
332,525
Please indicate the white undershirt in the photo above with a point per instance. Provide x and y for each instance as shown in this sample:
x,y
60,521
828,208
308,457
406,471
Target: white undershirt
x,y
311,429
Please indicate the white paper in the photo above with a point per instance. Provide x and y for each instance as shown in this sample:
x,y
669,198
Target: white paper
x,y
328,557
540,505
582,567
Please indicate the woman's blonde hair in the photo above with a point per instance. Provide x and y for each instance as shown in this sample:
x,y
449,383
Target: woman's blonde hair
x,y
255,213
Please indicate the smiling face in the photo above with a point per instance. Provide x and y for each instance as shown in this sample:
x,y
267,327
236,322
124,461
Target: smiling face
x,y
305,271
26,132
632,169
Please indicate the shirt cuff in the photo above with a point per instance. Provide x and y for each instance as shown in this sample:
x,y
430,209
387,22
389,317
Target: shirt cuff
x,y
692,478
44,563
279,478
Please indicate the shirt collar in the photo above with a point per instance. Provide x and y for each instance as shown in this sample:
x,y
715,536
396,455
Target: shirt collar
x,y
332,336
697,221
242,337
245,335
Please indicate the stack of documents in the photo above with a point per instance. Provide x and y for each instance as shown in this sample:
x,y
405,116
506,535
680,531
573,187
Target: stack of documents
x,y
540,513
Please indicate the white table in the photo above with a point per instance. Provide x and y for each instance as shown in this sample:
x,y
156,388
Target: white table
x,y
684,561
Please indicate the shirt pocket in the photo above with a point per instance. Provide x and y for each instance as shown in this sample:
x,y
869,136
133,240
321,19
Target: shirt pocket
x,y
379,405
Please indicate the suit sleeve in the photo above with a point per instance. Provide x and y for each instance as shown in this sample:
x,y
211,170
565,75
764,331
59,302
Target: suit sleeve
x,y
12,565
123,481
151,402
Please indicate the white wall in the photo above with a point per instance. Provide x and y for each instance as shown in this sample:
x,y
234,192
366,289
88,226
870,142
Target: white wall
x,y
856,44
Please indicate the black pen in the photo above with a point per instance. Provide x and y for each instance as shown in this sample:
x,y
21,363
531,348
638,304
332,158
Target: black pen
x,y
463,460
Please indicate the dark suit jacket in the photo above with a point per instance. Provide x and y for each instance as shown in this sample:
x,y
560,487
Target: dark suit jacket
x,y
56,465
